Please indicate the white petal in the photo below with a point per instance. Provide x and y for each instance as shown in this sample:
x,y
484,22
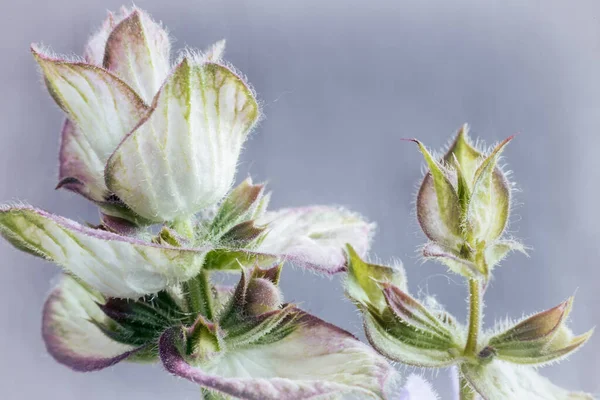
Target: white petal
x,y
69,333
184,156
101,106
317,360
137,51
315,237
117,266
501,380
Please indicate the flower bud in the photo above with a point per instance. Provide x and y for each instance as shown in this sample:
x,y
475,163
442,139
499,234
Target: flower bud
x,y
463,206
539,339
262,296
204,340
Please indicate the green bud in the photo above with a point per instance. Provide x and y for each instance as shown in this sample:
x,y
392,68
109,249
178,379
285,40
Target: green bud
x,y
204,341
240,205
539,339
463,206
262,296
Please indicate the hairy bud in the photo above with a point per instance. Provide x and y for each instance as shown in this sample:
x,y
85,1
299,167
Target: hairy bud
x,y
463,207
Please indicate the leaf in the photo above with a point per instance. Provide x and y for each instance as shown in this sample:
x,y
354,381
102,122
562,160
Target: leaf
x,y
69,331
500,380
364,283
315,360
186,150
118,266
314,237
451,260
498,250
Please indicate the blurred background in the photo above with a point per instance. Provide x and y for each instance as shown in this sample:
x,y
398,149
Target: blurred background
x,y
341,82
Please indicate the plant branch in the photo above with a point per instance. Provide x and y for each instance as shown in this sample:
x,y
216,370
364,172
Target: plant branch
x,y
474,317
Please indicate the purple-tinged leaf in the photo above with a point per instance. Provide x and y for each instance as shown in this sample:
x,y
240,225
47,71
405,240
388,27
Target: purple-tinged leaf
x,y
315,360
69,333
500,380
115,265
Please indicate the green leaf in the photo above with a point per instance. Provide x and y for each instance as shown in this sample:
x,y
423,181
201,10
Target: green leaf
x,y
364,281
497,251
500,380
450,259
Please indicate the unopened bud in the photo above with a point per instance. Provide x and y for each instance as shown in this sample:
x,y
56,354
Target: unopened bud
x,y
262,296
463,206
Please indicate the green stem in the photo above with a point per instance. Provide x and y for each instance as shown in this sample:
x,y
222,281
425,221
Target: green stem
x,y
465,390
198,296
184,227
474,317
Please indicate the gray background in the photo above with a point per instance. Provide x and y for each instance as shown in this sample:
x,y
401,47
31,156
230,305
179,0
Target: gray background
x,y
341,83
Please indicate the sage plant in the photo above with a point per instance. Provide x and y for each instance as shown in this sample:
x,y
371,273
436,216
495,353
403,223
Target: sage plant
x,y
155,145
463,206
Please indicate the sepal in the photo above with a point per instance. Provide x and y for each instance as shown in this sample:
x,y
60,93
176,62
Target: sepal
x,y
438,204
407,332
489,205
239,206
539,339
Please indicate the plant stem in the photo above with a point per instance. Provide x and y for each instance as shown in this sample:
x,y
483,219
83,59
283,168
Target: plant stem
x,y
198,296
185,227
474,317
465,390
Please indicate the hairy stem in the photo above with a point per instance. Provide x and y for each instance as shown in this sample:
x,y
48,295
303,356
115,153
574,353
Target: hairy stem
x,y
184,227
198,296
466,393
474,317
